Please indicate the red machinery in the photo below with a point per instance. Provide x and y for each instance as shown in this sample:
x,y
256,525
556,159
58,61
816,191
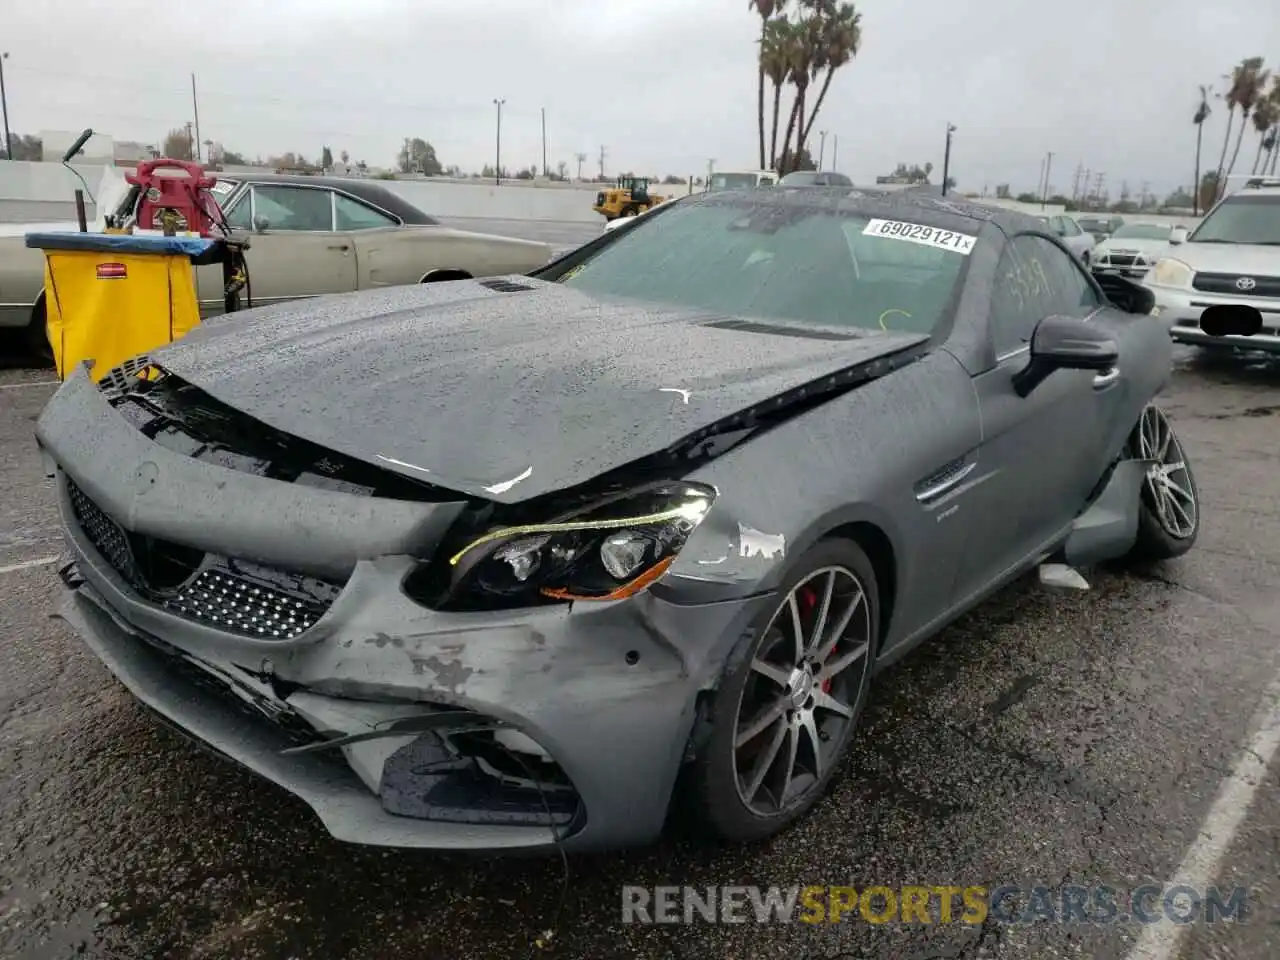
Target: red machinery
x,y
181,202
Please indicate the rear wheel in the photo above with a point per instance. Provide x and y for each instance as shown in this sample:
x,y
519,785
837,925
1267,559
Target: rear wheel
x,y
781,721
37,336
1169,512
630,212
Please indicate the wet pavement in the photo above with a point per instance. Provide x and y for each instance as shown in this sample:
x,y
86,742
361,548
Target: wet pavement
x,y
1047,739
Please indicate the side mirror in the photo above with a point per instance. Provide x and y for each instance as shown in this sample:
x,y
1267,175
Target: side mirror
x,y
1178,235
1126,294
260,223
1065,343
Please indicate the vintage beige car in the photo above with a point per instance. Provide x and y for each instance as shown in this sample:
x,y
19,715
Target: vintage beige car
x,y
310,236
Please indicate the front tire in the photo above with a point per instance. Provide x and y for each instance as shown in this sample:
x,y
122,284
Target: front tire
x,y
1169,511
782,719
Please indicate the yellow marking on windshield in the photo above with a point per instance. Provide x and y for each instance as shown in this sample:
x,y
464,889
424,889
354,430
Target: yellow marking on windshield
x,y
889,311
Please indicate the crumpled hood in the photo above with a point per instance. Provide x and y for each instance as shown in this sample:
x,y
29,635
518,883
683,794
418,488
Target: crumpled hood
x,y
505,395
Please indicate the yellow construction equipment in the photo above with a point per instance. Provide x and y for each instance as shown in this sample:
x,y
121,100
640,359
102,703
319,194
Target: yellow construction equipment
x,y
629,197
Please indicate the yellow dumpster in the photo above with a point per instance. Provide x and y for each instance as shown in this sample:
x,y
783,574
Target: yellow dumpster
x,y
110,297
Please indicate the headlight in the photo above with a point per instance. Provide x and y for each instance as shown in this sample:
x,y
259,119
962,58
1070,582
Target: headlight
x,y
1169,272
607,552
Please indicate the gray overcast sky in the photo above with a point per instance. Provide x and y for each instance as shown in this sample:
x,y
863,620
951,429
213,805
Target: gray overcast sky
x,y
665,84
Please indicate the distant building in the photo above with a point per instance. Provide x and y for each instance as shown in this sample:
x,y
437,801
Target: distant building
x,y
130,152
98,149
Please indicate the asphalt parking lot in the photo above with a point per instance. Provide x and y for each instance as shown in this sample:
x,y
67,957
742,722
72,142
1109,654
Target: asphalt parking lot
x,y
1050,738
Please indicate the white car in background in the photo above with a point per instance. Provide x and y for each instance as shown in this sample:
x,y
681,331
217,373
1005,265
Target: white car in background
x,y
1132,249
1227,269
1080,242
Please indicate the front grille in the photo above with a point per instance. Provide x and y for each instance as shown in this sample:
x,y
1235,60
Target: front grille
x,y
1121,260
238,596
1225,283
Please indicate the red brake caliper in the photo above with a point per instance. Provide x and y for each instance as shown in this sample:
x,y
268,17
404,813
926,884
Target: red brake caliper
x,y
809,600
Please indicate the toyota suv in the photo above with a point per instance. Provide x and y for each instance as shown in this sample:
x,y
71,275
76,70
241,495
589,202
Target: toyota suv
x,y
1230,264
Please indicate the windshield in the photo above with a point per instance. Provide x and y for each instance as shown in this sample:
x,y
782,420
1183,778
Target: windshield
x,y
784,263
1242,220
1142,231
731,181
800,179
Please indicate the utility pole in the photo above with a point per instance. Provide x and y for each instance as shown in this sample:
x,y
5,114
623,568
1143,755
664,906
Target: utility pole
x,y
1048,166
4,107
497,161
1075,183
711,165
195,112
1146,189
946,158
545,172
835,146
1084,186
1098,180
602,161
191,142
581,158
822,147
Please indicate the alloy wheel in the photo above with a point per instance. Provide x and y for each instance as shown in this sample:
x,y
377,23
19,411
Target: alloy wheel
x,y
1168,484
802,691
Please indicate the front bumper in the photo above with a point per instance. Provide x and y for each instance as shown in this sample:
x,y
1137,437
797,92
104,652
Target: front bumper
x,y
1181,310
1136,272
607,692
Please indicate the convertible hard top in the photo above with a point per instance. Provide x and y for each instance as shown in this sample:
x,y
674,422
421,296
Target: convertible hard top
x,y
359,187
906,205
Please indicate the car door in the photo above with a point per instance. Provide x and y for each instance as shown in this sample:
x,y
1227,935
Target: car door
x,y
294,249
386,252
1041,454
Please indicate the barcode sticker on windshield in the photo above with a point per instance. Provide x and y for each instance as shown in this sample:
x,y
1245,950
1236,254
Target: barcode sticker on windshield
x,y
961,243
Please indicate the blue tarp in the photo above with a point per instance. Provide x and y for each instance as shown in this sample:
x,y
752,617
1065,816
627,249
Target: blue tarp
x,y
121,243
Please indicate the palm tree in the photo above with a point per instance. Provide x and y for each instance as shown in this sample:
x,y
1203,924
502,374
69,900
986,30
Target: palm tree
x,y
1251,94
1274,97
775,53
1264,121
802,50
1201,115
766,9
841,38
1234,80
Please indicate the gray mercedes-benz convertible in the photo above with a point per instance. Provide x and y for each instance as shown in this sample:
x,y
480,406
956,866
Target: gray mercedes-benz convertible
x,y
519,562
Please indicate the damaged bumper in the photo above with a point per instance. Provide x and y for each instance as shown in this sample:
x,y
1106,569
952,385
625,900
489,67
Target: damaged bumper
x,y
569,721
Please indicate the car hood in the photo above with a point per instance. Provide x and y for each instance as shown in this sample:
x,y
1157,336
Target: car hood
x,y
1125,244
505,394
1229,257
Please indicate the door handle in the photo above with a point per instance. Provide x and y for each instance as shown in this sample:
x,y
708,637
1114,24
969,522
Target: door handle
x,y
1106,378
339,246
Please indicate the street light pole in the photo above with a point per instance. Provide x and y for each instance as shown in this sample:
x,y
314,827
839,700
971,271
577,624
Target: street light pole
x,y
946,159
497,168
822,148
1048,165
4,107
835,150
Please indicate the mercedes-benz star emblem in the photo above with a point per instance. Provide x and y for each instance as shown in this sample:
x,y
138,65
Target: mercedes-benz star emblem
x,y
1246,283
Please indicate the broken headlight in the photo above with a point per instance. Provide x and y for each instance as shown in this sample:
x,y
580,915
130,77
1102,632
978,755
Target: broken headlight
x,y
607,552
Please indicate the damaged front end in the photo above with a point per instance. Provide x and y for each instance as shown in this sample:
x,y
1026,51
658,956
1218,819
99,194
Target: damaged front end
x,y
411,662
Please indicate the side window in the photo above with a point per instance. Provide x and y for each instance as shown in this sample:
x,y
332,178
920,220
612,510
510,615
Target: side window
x,y
240,214
1073,294
1036,279
1073,228
354,215
293,208
1019,300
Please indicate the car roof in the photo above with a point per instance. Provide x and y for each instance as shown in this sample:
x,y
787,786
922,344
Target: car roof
x,y
369,191
887,204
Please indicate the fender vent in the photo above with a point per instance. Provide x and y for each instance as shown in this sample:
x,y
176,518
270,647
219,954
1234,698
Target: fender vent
x,y
505,286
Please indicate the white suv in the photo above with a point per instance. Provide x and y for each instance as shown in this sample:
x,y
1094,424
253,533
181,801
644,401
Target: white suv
x,y
1232,260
